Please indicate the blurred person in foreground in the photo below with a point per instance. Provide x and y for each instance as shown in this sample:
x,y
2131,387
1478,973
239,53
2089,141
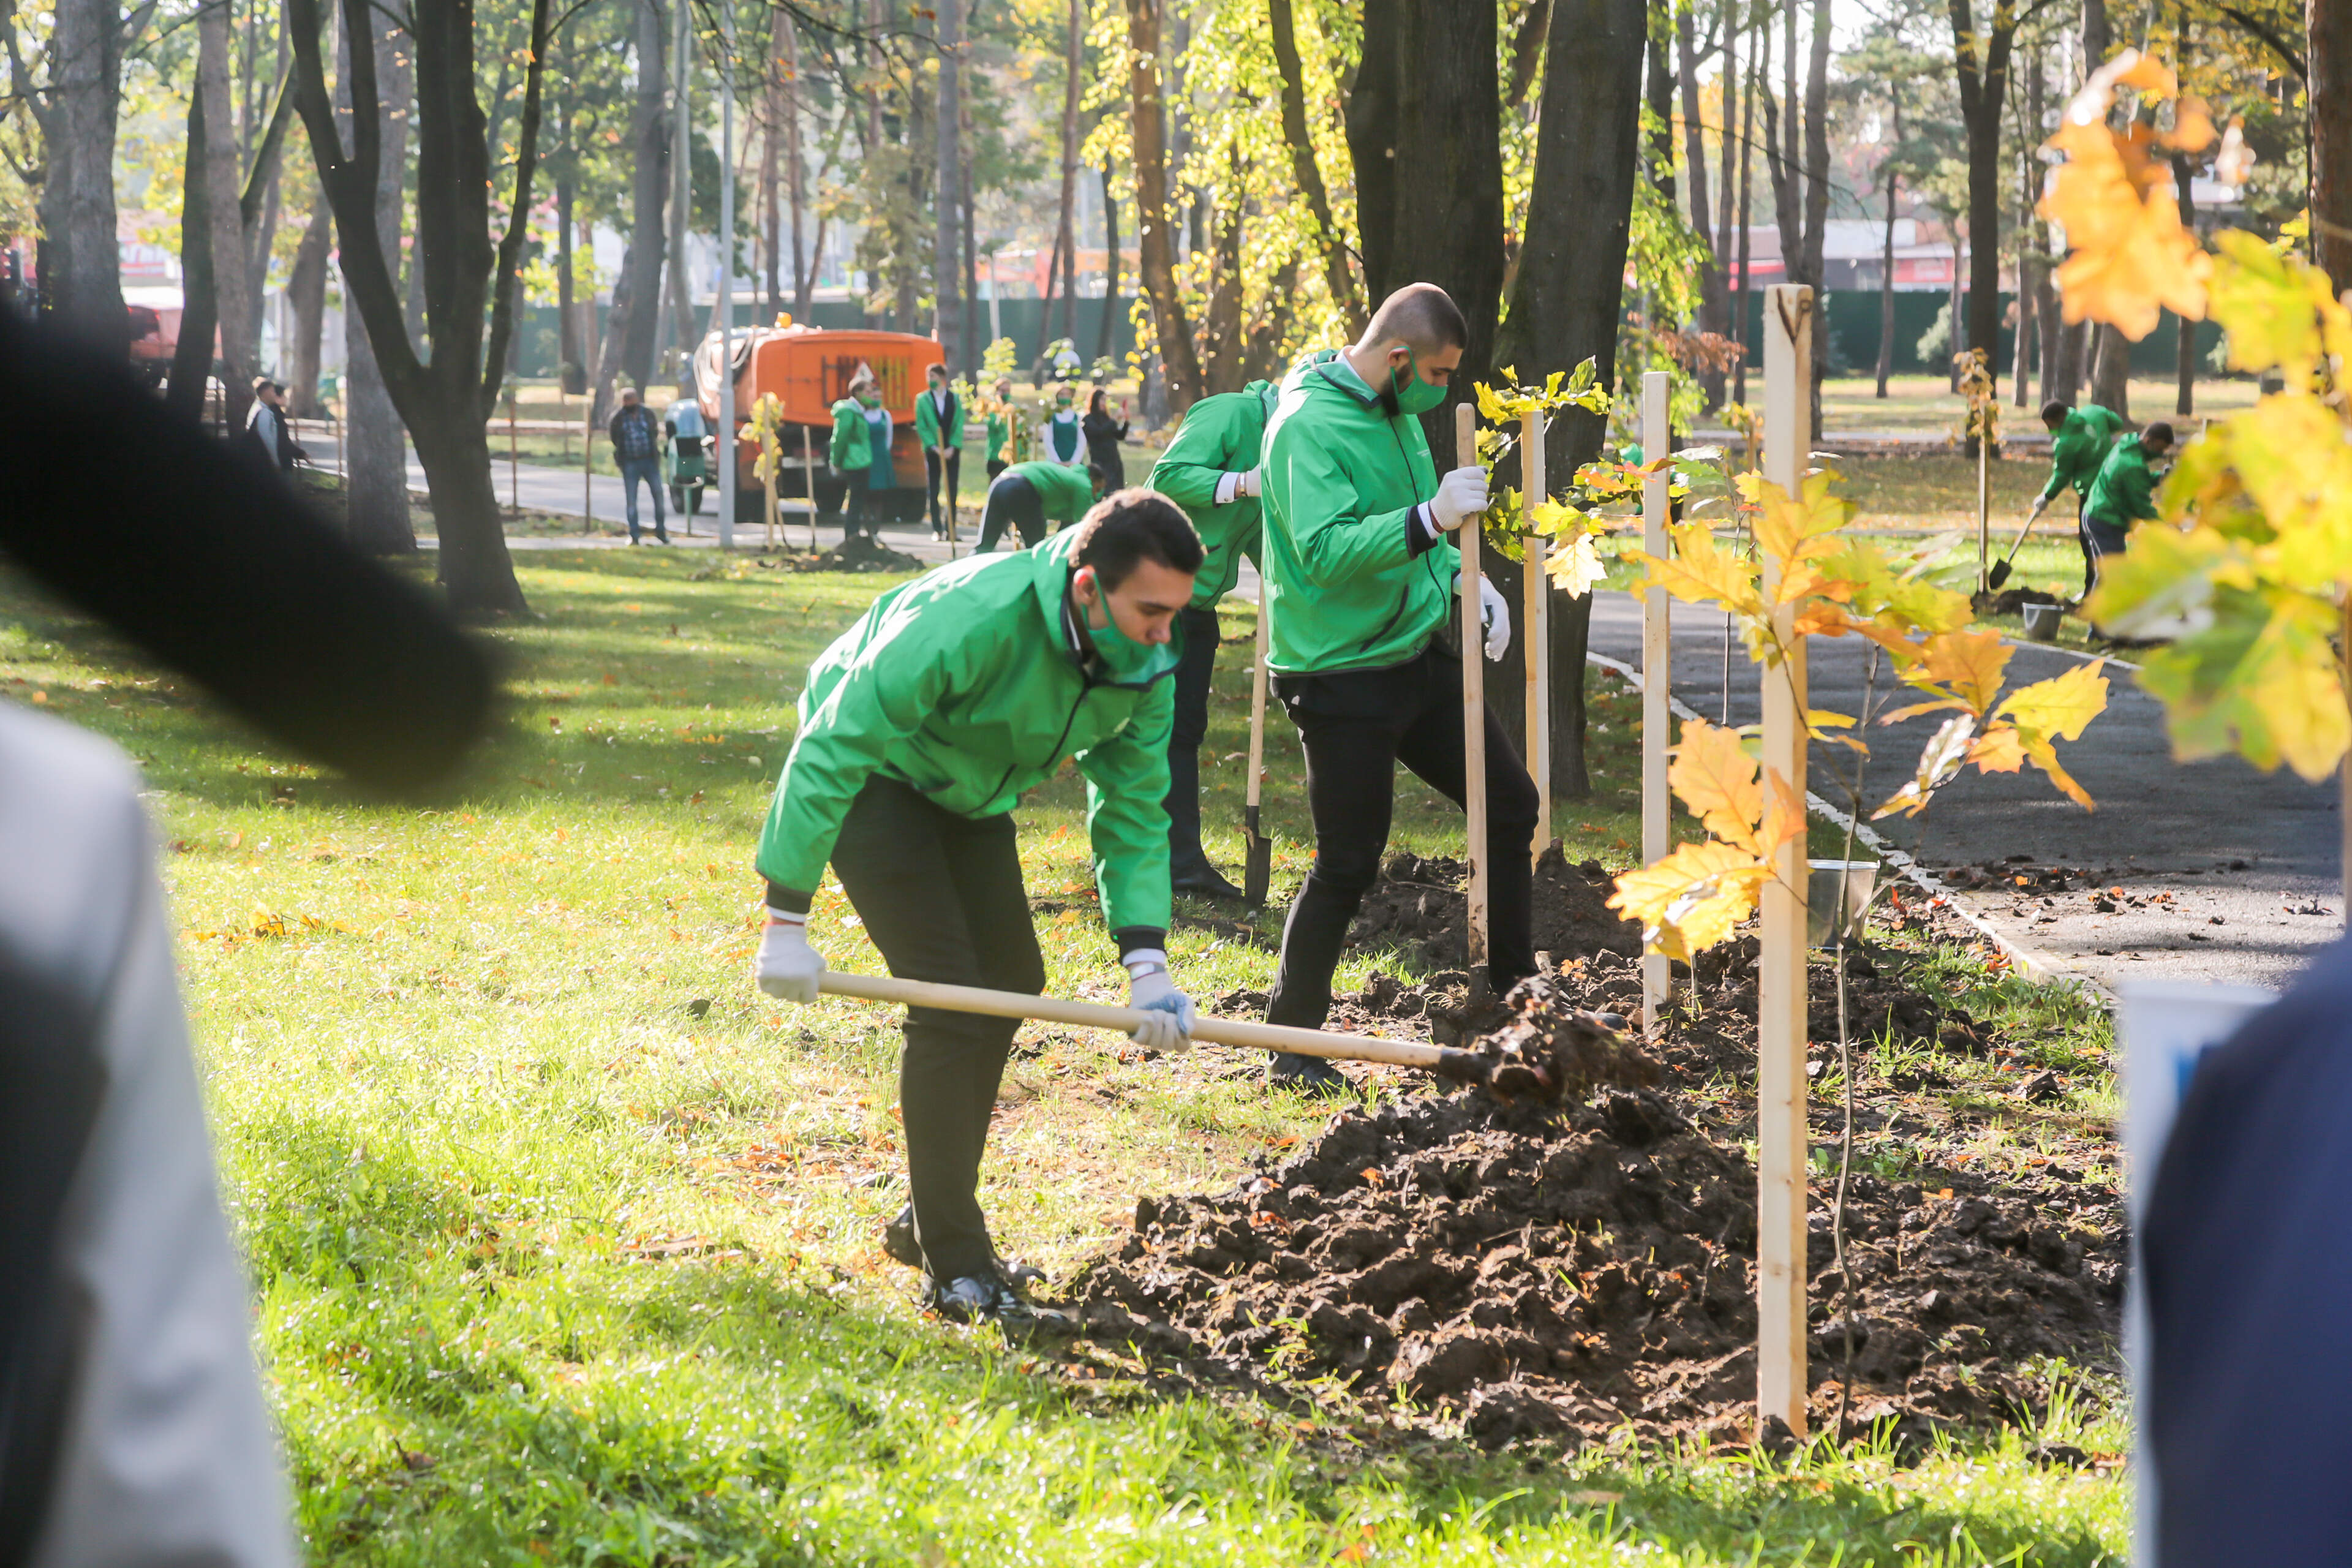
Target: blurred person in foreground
x,y
132,1425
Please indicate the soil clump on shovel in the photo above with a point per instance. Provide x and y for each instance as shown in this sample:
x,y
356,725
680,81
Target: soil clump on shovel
x,y
1559,1272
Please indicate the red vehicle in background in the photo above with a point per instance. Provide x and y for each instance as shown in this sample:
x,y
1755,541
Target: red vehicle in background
x,y
808,370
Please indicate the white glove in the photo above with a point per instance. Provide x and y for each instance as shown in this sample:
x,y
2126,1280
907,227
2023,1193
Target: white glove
x,y
1496,613
1461,495
1149,987
788,966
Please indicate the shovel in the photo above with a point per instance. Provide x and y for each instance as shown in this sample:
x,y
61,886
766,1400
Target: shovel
x,y
2001,573
1258,870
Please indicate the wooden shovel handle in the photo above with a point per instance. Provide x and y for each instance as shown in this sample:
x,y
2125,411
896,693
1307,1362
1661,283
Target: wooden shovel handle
x,y
1126,1020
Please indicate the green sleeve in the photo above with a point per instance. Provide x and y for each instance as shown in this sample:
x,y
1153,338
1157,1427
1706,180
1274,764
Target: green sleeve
x,y
897,680
843,451
998,431
1201,456
1127,813
927,419
2061,466
1309,489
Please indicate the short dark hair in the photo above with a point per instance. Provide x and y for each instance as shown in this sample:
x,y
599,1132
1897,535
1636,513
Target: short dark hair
x,y
938,368
2160,432
1133,525
1096,472
2054,412
1423,316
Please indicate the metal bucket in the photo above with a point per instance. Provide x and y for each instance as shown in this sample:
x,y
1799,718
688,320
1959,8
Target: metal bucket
x,y
2042,622
1837,896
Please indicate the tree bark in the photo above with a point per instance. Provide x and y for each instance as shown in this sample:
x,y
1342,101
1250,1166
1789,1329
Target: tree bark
x,y
947,288
1104,336
1067,234
795,172
680,270
223,189
2184,356
1747,210
571,352
191,355
1565,299
1980,64
631,319
1886,261
2330,95
82,275
306,290
1713,307
1337,279
1817,197
1155,253
1658,98
1780,162
772,130
1227,353
1372,121
375,444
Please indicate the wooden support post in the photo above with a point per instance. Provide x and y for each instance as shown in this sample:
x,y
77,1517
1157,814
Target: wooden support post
x,y
1474,706
1984,499
1780,1161
588,464
1535,628
808,472
514,470
1657,677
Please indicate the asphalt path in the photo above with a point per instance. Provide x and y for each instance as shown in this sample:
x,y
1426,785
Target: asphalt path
x,y
2204,871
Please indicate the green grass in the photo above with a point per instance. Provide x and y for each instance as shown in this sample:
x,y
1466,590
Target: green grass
x,y
566,1238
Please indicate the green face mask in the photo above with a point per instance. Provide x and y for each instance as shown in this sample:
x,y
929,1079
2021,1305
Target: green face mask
x,y
870,399
1120,656
1415,395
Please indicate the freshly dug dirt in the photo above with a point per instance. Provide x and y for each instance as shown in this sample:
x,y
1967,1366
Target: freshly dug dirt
x,y
1545,1273
2012,601
1418,906
858,554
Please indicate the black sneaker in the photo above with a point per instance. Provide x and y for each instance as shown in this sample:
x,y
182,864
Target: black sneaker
x,y
899,1243
1306,1075
987,1299
1203,880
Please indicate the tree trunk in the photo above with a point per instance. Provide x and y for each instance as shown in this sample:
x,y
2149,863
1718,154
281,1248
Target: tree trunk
x,y
680,272
1155,254
1066,233
1283,28
82,275
1746,211
2329,93
975,343
2049,332
306,290
1787,194
1374,104
223,189
635,311
1105,339
946,287
571,350
1817,197
1227,353
375,444
795,172
1658,98
1565,299
2184,357
192,356
1713,307
1886,270
771,194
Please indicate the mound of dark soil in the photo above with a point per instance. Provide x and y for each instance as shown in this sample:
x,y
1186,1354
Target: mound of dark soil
x,y
1418,905
1562,1273
858,554
2012,601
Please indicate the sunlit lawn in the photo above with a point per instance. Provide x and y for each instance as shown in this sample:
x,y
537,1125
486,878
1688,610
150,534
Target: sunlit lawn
x,y
566,1238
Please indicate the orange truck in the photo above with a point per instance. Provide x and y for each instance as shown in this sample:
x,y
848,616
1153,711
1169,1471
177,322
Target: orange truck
x,y
809,369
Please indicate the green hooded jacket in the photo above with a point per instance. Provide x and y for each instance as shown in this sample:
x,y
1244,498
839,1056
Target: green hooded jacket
x,y
1000,431
927,420
2078,447
853,441
967,684
2125,491
1066,492
1221,435
1352,583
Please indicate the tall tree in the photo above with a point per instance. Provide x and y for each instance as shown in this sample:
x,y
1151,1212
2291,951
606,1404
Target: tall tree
x,y
1758,40
376,447
469,278
2329,32
1890,171
224,187
1817,192
1565,299
1688,56
635,311
1155,247
681,271
2109,350
306,294
82,273
192,356
571,343
1980,62
947,288
1283,28
1105,331
1066,227
795,167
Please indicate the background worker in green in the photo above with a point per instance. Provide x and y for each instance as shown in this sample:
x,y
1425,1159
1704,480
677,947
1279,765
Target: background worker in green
x,y
2080,439
938,426
919,728
1209,469
2125,491
858,457
1001,415
1360,573
1029,495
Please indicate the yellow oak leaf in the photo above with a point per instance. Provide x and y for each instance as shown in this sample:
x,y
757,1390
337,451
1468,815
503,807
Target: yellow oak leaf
x,y
1698,573
2045,757
1693,898
1575,567
2128,254
1713,775
1970,664
2059,708
2000,750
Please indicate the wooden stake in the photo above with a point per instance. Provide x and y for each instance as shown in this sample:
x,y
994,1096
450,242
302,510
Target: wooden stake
x,y
1657,675
588,463
1781,1157
1258,863
1474,707
1984,504
1100,1015
808,472
1535,629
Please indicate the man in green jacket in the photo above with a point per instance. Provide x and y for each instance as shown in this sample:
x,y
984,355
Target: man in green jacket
x,y
2125,491
1359,571
920,728
1001,415
1210,469
2080,439
858,451
1028,496
938,426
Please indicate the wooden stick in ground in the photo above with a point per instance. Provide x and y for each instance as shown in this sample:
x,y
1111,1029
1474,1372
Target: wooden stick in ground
x,y
1657,675
1474,707
1257,871
588,464
1781,1160
1536,629
808,471
1126,1020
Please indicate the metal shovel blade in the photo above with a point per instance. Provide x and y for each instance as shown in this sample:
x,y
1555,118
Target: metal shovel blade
x,y
1258,872
1999,574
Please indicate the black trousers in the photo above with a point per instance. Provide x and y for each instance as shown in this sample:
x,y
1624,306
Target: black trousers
x,y
1013,500
941,897
1356,727
1195,667
931,466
